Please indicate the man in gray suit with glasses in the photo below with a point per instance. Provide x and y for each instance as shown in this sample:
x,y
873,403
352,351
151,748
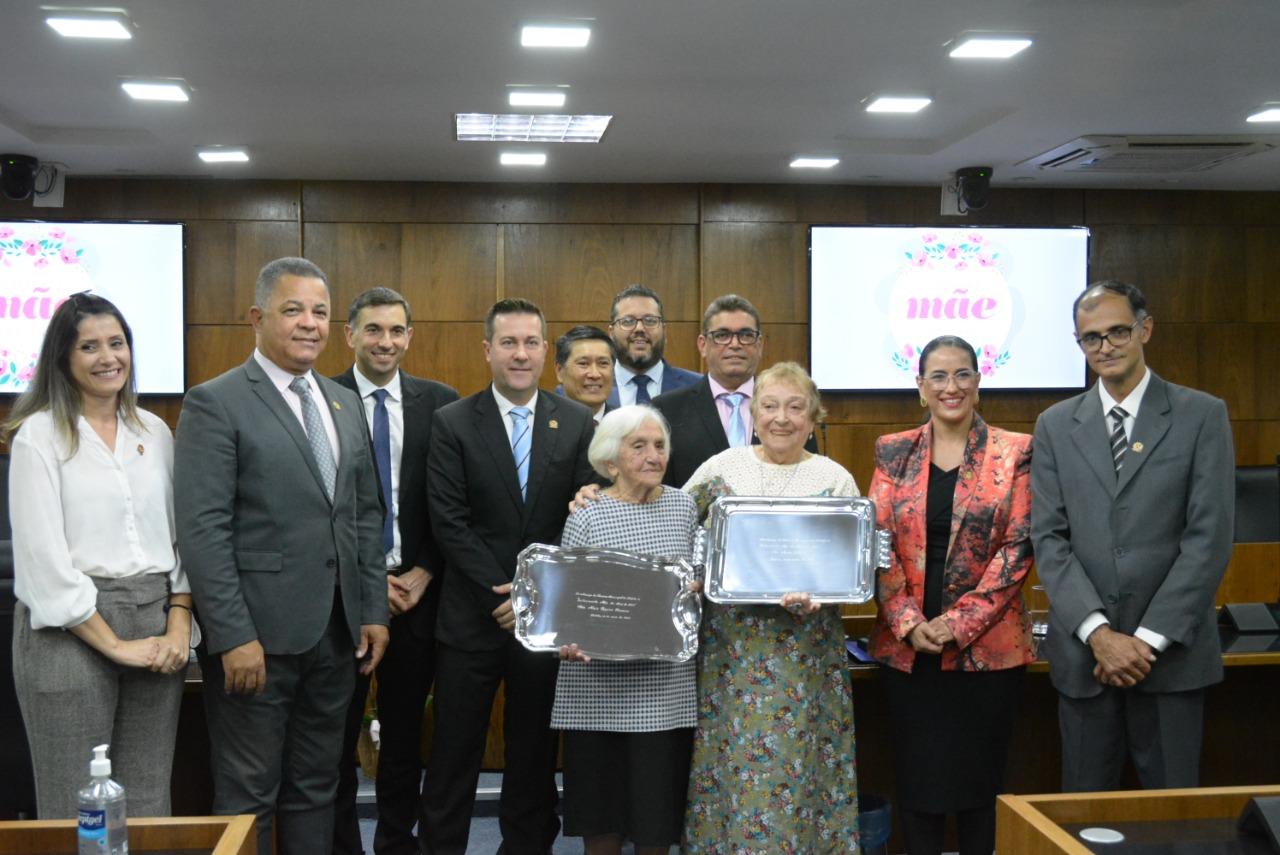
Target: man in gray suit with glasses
x,y
1131,516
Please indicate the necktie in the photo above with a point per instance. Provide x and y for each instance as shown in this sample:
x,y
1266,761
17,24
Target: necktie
x,y
316,437
382,455
1118,439
642,388
521,445
737,429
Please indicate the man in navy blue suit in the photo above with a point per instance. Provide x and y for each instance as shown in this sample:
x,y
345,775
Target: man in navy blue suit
x,y
639,333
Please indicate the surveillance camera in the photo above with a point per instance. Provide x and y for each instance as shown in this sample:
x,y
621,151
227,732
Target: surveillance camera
x,y
973,184
17,176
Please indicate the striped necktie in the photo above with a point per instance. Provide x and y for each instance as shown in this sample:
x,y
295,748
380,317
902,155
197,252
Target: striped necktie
x,y
1119,441
521,445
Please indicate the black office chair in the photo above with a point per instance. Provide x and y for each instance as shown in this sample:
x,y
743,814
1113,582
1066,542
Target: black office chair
x,y
1258,503
17,785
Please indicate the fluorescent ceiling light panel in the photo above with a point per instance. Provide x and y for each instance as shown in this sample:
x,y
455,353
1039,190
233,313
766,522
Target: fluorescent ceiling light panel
x,y
894,104
519,158
814,162
988,47
156,90
535,98
536,36
530,127
223,155
88,25
1266,113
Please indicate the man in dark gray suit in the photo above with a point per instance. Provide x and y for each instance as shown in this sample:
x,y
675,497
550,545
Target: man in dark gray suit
x,y
1131,517
280,529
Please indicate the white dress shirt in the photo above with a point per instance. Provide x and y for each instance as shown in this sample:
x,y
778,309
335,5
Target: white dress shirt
x,y
281,380
98,513
395,420
623,377
505,407
1130,405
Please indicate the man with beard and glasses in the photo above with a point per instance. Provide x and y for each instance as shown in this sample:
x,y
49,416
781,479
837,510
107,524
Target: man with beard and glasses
x,y
639,333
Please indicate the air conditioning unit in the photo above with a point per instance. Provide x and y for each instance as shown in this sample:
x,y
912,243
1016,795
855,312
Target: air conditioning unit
x,y
1149,154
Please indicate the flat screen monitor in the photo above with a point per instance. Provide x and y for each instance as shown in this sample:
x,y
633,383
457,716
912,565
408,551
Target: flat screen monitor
x,y
137,266
878,294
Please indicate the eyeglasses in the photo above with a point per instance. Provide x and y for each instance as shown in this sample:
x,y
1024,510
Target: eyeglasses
x,y
651,322
745,337
1116,336
940,379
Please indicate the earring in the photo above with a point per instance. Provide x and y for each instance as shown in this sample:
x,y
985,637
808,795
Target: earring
x,y
923,402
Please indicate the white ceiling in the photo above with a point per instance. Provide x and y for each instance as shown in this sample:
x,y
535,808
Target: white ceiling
x,y
701,90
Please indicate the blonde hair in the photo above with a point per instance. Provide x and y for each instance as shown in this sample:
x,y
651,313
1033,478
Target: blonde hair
x,y
791,373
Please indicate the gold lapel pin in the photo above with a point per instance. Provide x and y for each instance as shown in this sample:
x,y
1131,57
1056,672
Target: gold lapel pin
x,y
141,450
336,405
553,424
1138,446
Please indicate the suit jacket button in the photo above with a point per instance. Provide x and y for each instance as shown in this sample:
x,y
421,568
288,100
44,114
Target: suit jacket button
x,y
331,563
1119,552
1112,599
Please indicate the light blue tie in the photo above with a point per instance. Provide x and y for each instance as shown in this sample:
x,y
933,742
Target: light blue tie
x,y
316,436
521,445
737,429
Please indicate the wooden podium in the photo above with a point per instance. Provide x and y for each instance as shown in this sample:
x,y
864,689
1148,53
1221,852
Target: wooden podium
x,y
1033,825
193,835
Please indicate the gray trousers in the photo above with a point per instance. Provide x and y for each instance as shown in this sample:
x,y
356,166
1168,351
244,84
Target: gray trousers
x,y
74,698
1161,731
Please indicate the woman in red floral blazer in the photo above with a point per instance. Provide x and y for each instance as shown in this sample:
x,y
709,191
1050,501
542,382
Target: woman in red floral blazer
x,y
952,627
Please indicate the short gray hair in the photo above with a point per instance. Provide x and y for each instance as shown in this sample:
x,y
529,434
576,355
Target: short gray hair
x,y
613,430
271,272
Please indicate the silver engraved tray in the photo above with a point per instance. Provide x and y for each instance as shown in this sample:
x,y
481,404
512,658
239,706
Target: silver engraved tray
x,y
758,548
612,604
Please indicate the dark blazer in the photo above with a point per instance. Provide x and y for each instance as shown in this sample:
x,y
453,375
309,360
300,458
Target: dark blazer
x,y
258,536
988,558
696,432
477,514
418,547
1147,548
673,378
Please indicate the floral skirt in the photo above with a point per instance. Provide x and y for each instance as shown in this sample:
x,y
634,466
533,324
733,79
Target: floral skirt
x,y
773,758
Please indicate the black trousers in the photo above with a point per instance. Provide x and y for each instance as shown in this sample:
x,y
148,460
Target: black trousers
x,y
466,681
404,681
276,754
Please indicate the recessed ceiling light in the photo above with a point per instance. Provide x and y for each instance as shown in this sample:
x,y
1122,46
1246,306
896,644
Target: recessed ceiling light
x,y
538,36
223,155
897,104
1269,112
988,47
520,158
814,162
529,127
89,25
157,90
535,98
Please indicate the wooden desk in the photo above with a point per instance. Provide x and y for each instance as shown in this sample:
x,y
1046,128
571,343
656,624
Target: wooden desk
x,y
1032,825
215,835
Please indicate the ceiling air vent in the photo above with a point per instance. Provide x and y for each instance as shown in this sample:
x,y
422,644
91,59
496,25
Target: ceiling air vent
x,y
1150,154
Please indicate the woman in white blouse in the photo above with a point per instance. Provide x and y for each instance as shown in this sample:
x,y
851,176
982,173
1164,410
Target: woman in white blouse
x,y
103,622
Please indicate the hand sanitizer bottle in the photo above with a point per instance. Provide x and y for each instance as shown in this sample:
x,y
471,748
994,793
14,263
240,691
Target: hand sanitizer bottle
x,y
102,823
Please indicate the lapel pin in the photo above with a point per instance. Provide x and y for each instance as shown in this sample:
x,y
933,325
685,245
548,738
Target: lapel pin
x,y
336,405
1138,446
141,450
553,424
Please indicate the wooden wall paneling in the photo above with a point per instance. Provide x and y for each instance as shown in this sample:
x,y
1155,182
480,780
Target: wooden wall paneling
x,y
1238,364
573,271
368,201
215,348
448,272
222,262
1174,354
1252,576
765,262
1182,207
749,203
853,446
166,407
1257,442
451,352
167,199
1007,207
874,408
784,342
1188,273
355,256
1262,274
